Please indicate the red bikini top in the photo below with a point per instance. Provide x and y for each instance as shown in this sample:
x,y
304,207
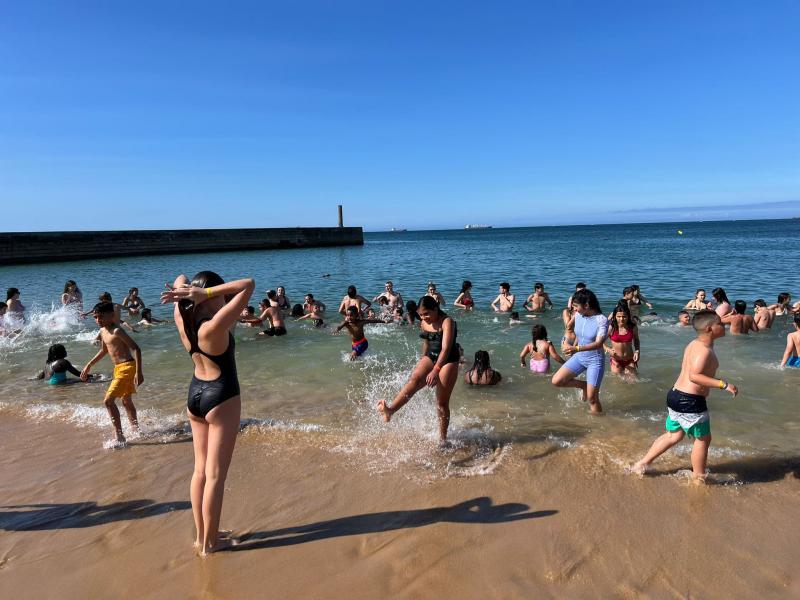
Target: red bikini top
x,y
621,338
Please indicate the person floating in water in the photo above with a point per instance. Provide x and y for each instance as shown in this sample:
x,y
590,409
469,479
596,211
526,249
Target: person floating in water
x,y
355,326
148,320
684,318
57,366
687,410
741,323
127,369
438,367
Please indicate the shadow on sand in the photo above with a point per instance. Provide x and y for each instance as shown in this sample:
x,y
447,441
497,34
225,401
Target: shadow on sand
x,y
40,517
758,469
477,510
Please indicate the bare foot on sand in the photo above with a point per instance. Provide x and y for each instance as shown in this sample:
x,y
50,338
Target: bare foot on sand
x,y
223,543
638,468
386,411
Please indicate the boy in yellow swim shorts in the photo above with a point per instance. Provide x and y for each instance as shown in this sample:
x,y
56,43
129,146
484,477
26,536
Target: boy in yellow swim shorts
x,y
127,370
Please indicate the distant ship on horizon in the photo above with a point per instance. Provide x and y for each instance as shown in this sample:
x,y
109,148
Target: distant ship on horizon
x,y
477,226
397,230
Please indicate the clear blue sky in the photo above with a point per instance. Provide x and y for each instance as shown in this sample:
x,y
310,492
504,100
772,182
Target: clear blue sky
x,y
121,115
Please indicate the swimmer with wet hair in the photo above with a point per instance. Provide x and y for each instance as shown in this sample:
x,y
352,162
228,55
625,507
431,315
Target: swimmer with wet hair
x,y
148,320
684,319
57,366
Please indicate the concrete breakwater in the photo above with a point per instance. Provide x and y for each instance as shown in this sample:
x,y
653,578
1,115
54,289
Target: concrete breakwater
x,y
52,246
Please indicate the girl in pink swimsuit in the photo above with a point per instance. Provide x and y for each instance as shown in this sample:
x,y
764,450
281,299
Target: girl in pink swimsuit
x,y
540,349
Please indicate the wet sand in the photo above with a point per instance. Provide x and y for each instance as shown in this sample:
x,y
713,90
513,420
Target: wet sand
x,y
549,522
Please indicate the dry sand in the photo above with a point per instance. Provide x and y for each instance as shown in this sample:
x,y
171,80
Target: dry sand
x,y
81,522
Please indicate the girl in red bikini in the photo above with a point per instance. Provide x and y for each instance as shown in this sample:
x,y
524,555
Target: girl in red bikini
x,y
624,338
464,299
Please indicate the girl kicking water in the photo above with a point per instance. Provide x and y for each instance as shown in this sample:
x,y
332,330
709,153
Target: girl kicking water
x,y
437,368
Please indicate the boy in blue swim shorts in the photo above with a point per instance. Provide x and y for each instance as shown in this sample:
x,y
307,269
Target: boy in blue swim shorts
x,y
355,326
687,411
791,356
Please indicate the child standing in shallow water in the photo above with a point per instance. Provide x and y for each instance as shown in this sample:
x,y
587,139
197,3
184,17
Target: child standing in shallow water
x,y
355,325
686,401
541,350
127,370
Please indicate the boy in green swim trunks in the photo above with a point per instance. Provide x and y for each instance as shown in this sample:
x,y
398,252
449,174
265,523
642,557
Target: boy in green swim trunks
x,y
686,401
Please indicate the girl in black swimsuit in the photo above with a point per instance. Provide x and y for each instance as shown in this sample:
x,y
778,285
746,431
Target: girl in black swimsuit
x,y
204,319
437,368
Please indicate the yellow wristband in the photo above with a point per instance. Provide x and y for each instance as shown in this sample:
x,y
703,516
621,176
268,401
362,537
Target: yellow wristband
x,y
578,348
723,384
208,292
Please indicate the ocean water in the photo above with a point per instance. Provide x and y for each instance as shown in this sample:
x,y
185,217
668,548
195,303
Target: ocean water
x,y
303,381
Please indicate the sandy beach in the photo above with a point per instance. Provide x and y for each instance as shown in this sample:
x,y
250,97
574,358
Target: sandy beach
x,y
550,522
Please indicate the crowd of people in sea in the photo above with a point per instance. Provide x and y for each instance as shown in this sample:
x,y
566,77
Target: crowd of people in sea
x,y
206,309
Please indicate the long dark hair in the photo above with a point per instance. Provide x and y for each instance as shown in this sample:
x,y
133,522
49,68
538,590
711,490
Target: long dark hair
x,y
69,284
481,364
621,307
56,352
351,291
203,279
430,303
587,297
720,295
465,287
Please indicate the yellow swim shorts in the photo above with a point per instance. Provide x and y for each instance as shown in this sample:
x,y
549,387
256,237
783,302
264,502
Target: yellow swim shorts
x,y
123,383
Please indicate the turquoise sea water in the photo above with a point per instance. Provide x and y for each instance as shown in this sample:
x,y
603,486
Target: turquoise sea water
x,y
303,380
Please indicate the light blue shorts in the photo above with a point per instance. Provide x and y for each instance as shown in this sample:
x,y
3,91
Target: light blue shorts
x,y
591,362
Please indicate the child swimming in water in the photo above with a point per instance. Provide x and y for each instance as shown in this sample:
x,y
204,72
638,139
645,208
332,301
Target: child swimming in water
x,y
684,320
355,325
148,320
791,356
316,311
687,411
541,350
57,366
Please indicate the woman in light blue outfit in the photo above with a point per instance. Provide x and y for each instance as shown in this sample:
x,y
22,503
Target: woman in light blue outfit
x,y
591,330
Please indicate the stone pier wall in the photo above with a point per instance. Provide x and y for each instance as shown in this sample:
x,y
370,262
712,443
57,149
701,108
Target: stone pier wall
x,y
51,246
